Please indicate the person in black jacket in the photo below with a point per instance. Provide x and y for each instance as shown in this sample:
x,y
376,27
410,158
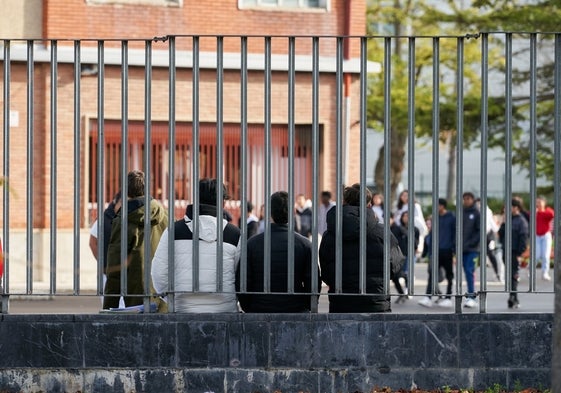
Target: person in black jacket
x,y
519,228
471,239
375,300
401,233
277,303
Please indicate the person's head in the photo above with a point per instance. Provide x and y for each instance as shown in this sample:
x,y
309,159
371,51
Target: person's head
x,y
377,199
279,207
516,206
325,197
402,199
300,200
541,203
520,201
262,212
442,205
352,195
468,199
135,181
208,189
404,218
249,207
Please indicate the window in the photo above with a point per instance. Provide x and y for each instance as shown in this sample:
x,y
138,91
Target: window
x,y
283,4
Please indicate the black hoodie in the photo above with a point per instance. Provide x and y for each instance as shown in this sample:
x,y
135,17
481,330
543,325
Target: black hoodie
x,y
351,262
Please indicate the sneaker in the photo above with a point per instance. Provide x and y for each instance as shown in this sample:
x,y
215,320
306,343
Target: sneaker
x,y
446,303
546,276
425,302
470,303
401,299
513,302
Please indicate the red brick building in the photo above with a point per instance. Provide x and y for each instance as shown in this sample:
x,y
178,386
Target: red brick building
x,y
140,20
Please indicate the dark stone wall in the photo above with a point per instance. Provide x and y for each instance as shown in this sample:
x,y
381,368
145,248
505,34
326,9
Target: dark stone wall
x,y
264,353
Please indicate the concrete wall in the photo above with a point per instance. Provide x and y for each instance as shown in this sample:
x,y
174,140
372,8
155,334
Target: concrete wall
x,y
265,353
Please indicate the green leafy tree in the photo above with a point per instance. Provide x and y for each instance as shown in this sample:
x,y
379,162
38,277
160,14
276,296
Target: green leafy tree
x,y
416,18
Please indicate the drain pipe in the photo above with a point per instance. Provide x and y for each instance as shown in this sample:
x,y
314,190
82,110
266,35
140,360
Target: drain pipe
x,y
346,90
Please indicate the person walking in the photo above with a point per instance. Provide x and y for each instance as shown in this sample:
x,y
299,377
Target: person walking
x,y
544,226
446,250
471,239
401,233
519,232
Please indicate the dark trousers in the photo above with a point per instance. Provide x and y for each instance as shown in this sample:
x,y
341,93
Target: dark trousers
x,y
446,263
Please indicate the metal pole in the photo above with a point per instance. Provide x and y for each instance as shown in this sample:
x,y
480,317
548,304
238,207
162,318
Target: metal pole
x,y
315,164
195,161
53,204
339,170
147,171
101,257
244,158
267,122
291,95
29,195
6,176
219,157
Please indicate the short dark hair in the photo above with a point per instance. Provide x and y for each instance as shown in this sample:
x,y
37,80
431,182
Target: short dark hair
x,y
326,194
208,190
279,207
516,202
249,207
468,194
442,202
135,184
351,195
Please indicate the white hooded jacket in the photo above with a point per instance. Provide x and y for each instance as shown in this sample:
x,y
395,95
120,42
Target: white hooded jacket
x,y
206,300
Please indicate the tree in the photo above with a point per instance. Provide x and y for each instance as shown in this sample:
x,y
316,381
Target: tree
x,y
416,18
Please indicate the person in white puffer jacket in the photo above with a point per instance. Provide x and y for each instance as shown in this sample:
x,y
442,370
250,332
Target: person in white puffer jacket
x,y
206,299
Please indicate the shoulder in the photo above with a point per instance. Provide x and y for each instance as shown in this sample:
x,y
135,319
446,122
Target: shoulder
x,y
231,234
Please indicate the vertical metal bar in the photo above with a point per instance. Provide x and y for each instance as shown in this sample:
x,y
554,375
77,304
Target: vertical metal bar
x,y
195,160
77,177
339,168
508,161
53,222
460,166
387,154
315,163
291,82
6,177
171,177
219,160
533,159
410,163
267,121
29,189
101,257
435,159
124,162
557,180
363,127
147,170
244,182
484,168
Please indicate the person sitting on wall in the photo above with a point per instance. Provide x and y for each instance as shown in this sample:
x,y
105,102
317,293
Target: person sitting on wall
x,y
137,213
258,303
206,300
375,300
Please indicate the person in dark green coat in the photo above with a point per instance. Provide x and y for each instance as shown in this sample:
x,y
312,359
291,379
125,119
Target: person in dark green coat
x,y
135,262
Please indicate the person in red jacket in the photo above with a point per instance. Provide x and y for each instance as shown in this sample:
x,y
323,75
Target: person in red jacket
x,y
544,222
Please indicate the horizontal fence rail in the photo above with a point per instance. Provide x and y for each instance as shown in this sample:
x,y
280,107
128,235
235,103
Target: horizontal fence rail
x,y
264,114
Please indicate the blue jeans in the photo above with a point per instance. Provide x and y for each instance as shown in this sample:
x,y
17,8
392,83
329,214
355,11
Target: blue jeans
x,y
469,270
543,250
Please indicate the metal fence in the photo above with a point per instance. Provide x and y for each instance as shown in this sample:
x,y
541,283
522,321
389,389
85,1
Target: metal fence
x,y
68,90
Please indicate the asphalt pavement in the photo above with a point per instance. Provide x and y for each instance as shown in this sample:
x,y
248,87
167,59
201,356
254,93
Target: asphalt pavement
x,y
542,301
